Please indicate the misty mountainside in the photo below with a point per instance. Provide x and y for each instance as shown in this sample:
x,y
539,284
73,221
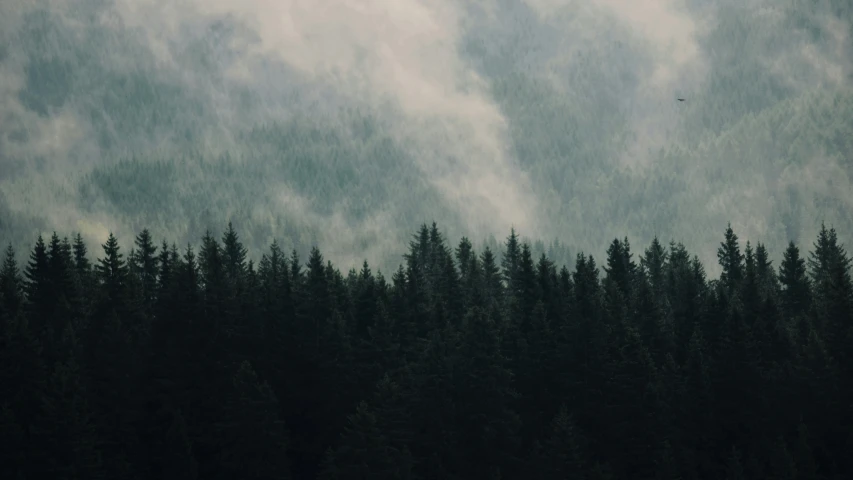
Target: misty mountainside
x,y
346,124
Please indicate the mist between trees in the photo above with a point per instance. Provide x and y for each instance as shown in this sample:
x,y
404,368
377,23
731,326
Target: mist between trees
x,y
341,125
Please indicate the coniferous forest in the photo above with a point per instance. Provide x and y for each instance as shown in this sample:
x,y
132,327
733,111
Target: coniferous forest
x,y
221,169
153,360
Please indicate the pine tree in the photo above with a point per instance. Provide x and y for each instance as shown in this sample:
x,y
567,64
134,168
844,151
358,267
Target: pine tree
x,y
234,255
833,306
40,294
654,262
365,452
563,454
65,431
633,392
767,279
491,280
296,274
167,262
464,254
523,295
187,287
731,259
697,419
255,438
796,288
365,300
830,269
145,263
620,267
749,288
318,298
587,287
486,422
822,256
60,263
214,284
112,271
436,443
22,374
11,286
511,259
81,261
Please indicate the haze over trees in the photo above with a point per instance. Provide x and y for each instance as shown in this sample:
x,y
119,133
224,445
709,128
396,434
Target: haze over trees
x,y
318,338
326,123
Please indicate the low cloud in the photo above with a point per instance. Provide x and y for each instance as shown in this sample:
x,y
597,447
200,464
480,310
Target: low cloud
x,y
398,53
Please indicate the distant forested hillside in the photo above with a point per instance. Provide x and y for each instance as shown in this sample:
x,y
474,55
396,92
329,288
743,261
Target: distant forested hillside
x,y
214,361
346,127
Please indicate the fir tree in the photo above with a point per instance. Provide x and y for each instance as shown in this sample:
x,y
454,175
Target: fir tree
x,y
112,270
11,286
731,259
145,262
796,287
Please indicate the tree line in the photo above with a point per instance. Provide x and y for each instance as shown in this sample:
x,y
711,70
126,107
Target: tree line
x,y
198,362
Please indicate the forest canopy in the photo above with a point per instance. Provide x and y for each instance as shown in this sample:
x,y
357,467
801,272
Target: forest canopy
x,y
153,361
295,344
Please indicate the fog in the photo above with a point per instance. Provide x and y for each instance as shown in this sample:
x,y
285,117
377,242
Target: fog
x,y
556,117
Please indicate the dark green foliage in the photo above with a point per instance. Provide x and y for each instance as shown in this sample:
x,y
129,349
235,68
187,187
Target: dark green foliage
x,y
145,264
564,451
183,367
795,283
11,286
731,259
65,433
490,359
112,272
254,439
365,452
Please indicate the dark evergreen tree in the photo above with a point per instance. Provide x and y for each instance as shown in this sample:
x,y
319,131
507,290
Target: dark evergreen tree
x,y
365,452
38,287
112,271
620,268
796,291
492,287
654,263
234,254
488,426
255,439
11,286
207,367
767,280
511,259
81,260
145,263
564,453
66,431
731,259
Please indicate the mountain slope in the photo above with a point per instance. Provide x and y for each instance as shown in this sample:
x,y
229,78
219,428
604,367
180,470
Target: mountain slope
x,y
300,122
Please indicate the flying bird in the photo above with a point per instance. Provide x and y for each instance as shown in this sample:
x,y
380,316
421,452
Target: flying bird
x,y
680,99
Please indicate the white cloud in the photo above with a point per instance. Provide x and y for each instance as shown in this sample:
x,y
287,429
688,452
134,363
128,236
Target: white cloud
x,y
402,52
